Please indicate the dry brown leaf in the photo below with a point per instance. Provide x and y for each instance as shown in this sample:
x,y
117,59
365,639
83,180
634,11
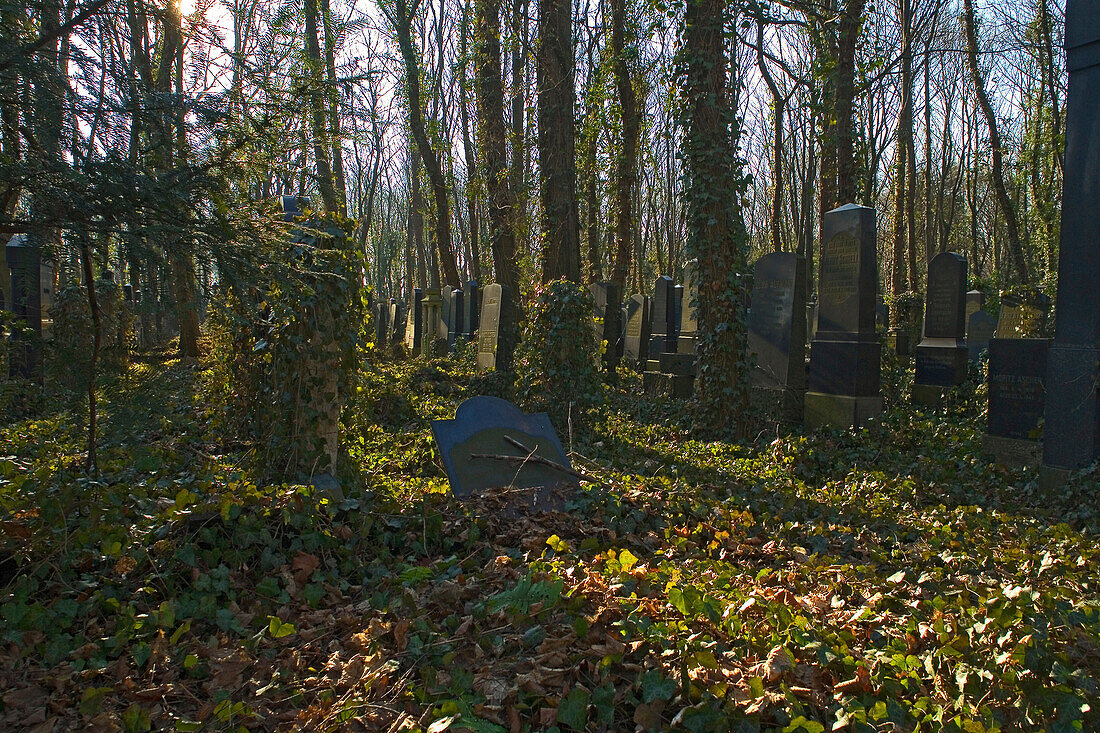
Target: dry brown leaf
x,y
303,566
779,661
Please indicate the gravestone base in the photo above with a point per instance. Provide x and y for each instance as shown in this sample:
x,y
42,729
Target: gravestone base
x,y
1053,479
928,395
840,411
658,384
785,404
685,344
942,366
1013,452
678,364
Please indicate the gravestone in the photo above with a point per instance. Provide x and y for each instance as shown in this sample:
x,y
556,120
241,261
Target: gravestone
x,y
397,321
1017,370
434,331
1072,438
455,309
663,321
904,336
414,324
689,305
606,318
777,336
882,316
979,330
471,308
381,324
128,292
24,262
446,314
497,329
975,301
941,355
1023,314
636,342
811,321
843,378
491,444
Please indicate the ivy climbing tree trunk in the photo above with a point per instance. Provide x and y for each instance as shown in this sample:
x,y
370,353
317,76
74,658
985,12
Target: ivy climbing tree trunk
x,y
1004,201
716,235
851,22
561,251
492,135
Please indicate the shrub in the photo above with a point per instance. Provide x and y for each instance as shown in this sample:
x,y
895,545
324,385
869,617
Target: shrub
x,y
73,334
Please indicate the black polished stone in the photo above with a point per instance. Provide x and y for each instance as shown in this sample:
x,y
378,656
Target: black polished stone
x,y
636,341
1017,370
777,337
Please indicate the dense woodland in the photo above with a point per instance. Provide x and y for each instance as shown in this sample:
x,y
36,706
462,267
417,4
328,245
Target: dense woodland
x,y
221,506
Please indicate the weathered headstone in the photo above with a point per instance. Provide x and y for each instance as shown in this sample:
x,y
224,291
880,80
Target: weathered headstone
x,y
668,371
607,298
456,316
843,379
381,324
975,301
25,265
941,355
663,319
495,334
905,334
434,329
811,321
979,331
414,324
1072,438
1023,314
777,336
397,321
636,347
492,444
128,292
689,305
1017,370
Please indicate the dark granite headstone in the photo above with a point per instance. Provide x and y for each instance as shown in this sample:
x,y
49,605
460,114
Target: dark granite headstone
x,y
456,313
843,379
663,317
446,315
777,336
490,443
1072,430
1017,370
608,300
494,341
25,265
636,347
941,355
128,292
980,329
381,324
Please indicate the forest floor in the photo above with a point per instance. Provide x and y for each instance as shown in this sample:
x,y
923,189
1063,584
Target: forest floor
x,y
890,579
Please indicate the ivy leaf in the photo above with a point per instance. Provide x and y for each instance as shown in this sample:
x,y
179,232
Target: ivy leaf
x,y
573,709
279,628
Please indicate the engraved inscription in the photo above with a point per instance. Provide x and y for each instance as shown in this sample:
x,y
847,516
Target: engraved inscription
x,y
840,269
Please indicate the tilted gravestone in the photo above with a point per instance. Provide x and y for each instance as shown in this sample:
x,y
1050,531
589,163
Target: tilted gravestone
x,y
777,336
495,341
607,298
414,325
456,315
636,347
491,444
1017,370
941,355
979,331
843,379
1072,439
1023,314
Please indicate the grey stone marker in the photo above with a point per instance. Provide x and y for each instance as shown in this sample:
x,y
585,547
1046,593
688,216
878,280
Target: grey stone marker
x,y
608,300
446,314
1072,439
636,347
414,324
689,305
456,316
843,379
979,331
397,321
490,443
25,265
1023,315
941,355
1017,369
777,337
495,334
975,301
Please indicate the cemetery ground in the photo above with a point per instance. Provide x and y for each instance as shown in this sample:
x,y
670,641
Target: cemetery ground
x,y
886,579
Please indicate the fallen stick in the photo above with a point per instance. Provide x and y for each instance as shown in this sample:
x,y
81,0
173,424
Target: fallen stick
x,y
531,459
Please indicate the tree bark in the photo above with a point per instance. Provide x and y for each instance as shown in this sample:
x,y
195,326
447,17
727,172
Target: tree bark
x,y
557,164
851,23
627,163
779,104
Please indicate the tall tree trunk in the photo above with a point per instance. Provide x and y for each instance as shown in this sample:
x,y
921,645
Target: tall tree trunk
x,y
851,23
779,104
321,148
333,89
557,164
518,171
1008,210
716,235
492,136
473,187
626,167
402,23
